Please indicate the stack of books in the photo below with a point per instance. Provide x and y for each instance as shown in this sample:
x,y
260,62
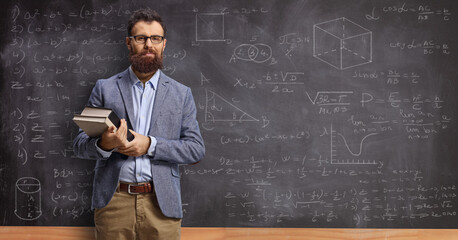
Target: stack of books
x,y
94,121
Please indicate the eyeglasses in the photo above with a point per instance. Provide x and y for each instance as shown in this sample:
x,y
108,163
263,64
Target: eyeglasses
x,y
141,39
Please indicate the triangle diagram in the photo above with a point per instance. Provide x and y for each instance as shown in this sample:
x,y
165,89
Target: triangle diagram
x,y
218,109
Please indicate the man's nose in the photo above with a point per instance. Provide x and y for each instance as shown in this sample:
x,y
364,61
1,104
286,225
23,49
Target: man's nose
x,y
148,44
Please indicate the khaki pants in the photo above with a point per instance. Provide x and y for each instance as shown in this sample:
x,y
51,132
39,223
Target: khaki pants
x,y
135,217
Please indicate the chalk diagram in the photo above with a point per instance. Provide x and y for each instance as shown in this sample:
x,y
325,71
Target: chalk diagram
x,y
342,43
257,53
28,198
218,109
210,27
343,153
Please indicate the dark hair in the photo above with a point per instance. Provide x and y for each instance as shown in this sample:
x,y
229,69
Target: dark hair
x,y
146,15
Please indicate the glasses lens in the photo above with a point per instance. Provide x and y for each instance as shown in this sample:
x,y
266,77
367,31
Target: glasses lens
x,y
140,39
156,39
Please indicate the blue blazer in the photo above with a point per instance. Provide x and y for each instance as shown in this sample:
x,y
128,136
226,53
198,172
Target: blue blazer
x,y
173,124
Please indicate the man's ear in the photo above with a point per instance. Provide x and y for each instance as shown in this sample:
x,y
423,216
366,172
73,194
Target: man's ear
x,y
128,43
163,47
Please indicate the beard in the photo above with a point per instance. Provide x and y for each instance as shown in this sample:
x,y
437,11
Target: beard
x,y
146,64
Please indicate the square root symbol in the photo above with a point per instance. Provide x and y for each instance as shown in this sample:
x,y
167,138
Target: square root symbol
x,y
342,43
210,27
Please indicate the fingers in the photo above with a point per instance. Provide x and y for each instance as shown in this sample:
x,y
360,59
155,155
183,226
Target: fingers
x,y
122,130
114,138
111,129
121,134
137,147
129,151
125,146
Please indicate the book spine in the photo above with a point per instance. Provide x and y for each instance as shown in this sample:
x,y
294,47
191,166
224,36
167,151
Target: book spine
x,y
114,119
117,122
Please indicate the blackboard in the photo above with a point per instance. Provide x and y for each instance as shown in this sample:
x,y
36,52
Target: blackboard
x,y
314,113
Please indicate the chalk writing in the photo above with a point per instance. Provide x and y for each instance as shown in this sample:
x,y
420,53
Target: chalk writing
x,y
333,118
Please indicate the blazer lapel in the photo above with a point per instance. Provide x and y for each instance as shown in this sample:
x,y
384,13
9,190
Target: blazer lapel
x,y
162,88
126,92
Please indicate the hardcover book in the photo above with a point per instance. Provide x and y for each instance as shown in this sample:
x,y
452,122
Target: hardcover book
x,y
95,120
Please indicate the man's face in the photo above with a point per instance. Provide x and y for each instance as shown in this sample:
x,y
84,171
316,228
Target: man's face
x,y
146,57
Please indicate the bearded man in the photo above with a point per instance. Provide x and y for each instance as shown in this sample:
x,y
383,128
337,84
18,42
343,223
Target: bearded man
x,y
136,189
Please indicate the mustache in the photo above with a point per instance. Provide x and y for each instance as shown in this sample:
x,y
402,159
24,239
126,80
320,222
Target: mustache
x,y
144,52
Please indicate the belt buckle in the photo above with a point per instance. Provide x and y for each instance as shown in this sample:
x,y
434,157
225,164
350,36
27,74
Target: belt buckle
x,y
128,189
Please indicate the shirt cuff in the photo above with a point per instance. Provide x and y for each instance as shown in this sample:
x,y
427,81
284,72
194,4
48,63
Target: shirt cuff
x,y
152,147
105,154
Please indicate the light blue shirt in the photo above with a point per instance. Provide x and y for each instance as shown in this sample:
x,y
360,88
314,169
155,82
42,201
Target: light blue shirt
x,y
138,169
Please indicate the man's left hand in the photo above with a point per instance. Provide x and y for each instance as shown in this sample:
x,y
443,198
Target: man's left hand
x,y
137,147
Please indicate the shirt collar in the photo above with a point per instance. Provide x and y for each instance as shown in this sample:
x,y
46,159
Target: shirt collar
x,y
152,81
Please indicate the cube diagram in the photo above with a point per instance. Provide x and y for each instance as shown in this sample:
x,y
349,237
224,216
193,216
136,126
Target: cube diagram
x,y
342,43
210,27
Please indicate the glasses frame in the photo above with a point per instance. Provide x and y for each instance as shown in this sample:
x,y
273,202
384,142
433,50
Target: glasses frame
x,y
150,38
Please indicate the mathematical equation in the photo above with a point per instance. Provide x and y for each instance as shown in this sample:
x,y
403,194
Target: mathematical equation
x,y
363,205
422,12
257,197
427,47
71,193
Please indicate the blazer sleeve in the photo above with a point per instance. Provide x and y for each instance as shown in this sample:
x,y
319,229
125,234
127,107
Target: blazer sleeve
x,y
190,147
83,145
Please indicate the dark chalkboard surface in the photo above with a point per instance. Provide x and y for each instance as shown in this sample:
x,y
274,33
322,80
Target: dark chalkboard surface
x,y
314,113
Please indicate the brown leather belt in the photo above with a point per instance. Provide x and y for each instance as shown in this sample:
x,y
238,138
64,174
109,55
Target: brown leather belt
x,y
135,188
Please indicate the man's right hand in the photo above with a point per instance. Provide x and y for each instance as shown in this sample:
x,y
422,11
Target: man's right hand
x,y
112,139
